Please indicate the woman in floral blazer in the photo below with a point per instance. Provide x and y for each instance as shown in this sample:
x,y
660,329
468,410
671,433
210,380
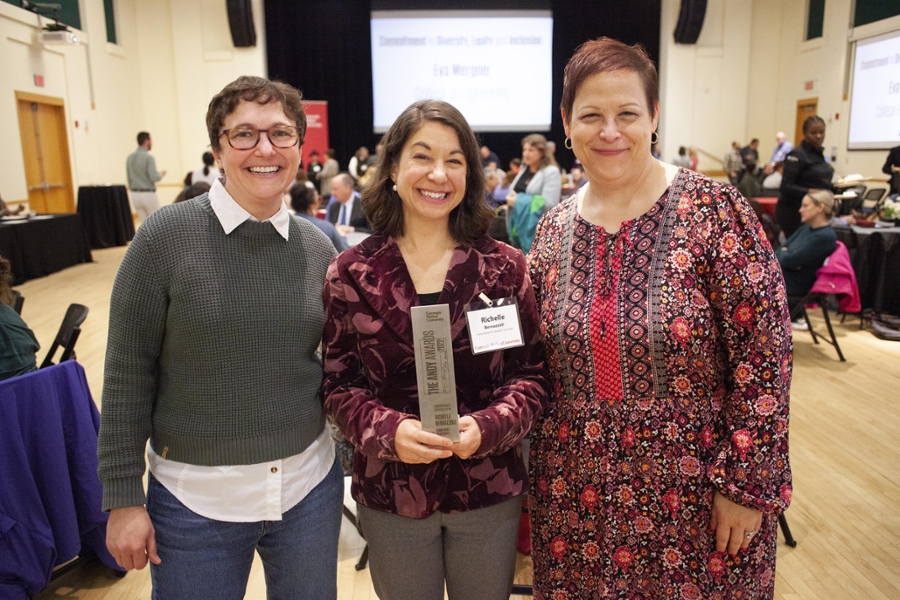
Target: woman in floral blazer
x,y
432,510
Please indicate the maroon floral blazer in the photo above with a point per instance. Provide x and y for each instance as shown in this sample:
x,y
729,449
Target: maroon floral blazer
x,y
370,376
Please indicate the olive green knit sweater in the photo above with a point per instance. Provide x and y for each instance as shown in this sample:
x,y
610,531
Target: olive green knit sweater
x,y
212,346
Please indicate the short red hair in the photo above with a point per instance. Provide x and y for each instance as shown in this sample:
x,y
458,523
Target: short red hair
x,y
605,55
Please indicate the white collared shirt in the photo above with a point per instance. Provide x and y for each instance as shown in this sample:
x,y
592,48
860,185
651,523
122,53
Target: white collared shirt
x,y
231,214
246,493
347,206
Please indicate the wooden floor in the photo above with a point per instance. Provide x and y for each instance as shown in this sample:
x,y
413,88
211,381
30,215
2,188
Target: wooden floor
x,y
845,450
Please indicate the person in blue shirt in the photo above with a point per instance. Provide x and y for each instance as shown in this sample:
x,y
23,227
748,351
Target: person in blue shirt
x,y
305,203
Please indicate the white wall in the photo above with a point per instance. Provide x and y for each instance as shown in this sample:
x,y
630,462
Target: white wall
x,y
172,56
704,86
741,80
746,73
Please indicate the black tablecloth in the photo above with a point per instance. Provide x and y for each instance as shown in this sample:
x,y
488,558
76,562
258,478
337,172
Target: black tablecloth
x,y
42,245
106,215
877,265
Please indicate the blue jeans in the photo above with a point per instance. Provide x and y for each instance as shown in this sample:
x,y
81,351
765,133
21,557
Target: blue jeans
x,y
207,559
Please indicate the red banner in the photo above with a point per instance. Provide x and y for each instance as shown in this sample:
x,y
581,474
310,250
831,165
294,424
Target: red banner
x,y
316,129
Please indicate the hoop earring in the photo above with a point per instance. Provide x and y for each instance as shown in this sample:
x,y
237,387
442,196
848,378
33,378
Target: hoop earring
x,y
568,143
654,138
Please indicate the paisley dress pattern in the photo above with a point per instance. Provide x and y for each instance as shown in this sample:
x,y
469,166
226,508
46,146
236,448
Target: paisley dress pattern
x,y
370,376
669,386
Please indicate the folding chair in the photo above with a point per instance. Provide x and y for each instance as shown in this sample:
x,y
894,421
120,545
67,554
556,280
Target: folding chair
x,y
834,278
848,205
873,201
67,335
18,302
499,229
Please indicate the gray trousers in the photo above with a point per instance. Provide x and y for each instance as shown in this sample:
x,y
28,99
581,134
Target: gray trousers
x,y
145,204
474,551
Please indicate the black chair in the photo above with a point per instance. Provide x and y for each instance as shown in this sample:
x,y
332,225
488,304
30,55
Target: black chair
x,y
848,205
873,201
821,300
68,334
18,302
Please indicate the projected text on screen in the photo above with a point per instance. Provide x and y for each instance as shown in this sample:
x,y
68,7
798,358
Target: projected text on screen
x,y
875,99
495,70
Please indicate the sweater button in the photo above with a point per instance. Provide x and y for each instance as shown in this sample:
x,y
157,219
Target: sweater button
x,y
274,469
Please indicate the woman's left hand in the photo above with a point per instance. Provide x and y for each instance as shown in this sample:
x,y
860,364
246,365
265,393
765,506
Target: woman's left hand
x,y
469,438
735,525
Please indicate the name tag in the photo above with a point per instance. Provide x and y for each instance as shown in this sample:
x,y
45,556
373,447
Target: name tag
x,y
494,325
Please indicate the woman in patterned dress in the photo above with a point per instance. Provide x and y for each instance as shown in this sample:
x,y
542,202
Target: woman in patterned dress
x,y
432,510
661,463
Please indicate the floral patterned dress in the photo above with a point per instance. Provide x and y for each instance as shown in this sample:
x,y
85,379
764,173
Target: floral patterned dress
x,y
669,351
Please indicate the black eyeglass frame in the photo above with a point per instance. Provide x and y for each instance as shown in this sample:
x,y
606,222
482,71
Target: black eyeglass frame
x,y
259,137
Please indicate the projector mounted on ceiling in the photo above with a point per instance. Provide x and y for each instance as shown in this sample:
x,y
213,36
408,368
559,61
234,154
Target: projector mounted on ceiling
x,y
57,37
53,33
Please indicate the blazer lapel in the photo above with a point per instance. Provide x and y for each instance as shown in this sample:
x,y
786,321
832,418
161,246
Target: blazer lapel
x,y
472,271
384,283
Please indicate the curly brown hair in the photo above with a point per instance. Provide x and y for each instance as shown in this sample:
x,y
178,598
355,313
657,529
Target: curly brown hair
x,y
253,89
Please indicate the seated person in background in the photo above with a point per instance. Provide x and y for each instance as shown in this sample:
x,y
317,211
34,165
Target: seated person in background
x,y
770,227
749,186
502,190
6,211
578,176
806,250
682,160
305,202
773,180
346,211
196,189
18,346
491,181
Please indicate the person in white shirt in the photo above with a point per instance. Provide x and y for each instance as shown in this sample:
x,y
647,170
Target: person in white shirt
x,y
207,174
215,320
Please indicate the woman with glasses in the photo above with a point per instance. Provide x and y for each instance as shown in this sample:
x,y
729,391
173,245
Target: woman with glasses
x,y
215,318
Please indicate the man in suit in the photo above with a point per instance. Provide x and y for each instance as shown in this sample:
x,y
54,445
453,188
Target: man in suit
x,y
346,211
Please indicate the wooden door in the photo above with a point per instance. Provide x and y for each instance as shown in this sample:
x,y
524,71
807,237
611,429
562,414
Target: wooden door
x,y
45,149
805,109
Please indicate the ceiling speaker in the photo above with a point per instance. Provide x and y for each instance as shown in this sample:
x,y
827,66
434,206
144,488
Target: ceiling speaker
x,y
690,21
240,19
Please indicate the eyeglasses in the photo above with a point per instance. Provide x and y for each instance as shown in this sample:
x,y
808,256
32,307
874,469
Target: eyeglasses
x,y
245,138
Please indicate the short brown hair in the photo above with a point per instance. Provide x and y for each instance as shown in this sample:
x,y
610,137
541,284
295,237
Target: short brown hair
x,y
253,89
539,142
605,55
470,220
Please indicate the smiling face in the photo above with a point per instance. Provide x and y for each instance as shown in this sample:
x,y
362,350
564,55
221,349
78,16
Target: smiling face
x,y
257,178
430,175
610,126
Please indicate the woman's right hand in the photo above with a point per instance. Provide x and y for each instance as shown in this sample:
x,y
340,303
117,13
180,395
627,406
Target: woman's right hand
x,y
511,199
414,446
